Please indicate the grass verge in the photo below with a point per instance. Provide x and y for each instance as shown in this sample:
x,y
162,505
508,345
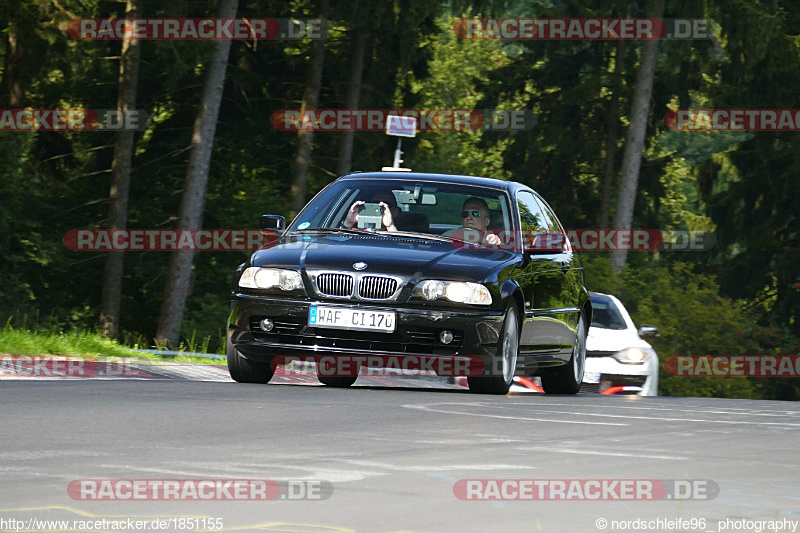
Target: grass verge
x,y
83,343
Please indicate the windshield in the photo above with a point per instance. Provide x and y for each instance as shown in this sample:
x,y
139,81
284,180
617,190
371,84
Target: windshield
x,y
606,315
421,207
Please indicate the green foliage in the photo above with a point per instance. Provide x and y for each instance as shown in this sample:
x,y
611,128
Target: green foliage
x,y
456,70
15,341
742,297
694,319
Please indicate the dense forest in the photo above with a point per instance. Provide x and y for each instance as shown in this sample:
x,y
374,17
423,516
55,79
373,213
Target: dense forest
x,y
209,156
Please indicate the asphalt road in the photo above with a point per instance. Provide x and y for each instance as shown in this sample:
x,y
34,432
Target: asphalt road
x,y
392,452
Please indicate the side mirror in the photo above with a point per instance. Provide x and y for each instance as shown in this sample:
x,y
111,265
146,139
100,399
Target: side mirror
x,y
646,330
272,224
546,243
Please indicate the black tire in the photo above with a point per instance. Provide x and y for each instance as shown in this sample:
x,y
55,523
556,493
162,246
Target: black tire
x,y
333,378
244,370
567,379
501,378
339,382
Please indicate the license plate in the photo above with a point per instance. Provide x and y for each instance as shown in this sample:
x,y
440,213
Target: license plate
x,y
347,318
591,377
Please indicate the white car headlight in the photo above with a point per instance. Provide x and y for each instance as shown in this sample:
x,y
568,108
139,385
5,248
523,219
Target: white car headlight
x,y
455,291
633,356
267,278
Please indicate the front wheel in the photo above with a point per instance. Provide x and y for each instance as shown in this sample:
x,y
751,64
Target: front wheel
x,y
244,370
507,349
567,379
339,382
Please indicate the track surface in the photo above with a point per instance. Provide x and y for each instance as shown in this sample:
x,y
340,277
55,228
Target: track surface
x,y
392,450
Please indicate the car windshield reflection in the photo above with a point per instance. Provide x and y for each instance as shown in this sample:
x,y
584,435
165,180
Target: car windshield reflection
x,y
415,209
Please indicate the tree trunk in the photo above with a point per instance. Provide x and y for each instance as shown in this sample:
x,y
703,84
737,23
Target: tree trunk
x,y
612,134
305,137
120,177
634,144
13,61
190,216
353,92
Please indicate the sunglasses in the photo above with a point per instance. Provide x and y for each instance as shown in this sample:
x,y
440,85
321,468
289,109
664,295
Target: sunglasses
x,y
475,214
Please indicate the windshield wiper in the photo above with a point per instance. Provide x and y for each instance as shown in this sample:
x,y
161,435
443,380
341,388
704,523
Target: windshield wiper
x,y
415,234
380,232
330,230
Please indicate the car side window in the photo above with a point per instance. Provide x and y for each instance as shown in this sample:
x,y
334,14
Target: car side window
x,y
530,214
550,219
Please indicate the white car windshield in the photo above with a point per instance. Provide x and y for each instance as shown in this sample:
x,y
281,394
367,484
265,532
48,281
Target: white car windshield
x,y
606,315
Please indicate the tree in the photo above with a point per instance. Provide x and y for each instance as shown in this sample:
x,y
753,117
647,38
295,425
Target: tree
x,y
611,135
120,177
752,190
359,42
190,216
634,144
305,137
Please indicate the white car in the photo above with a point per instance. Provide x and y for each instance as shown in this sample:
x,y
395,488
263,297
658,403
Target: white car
x,y
618,359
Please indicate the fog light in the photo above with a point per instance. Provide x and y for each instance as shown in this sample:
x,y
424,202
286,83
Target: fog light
x,y
446,337
266,324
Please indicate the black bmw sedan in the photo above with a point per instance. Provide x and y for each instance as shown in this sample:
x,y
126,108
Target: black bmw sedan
x,y
397,266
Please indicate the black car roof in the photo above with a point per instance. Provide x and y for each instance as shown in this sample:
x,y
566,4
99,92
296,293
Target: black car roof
x,y
444,178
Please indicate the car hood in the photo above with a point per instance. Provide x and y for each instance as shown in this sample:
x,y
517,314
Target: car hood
x,y
404,256
613,340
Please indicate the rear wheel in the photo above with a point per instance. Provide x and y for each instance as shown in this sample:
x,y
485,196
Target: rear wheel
x,y
244,370
506,360
567,379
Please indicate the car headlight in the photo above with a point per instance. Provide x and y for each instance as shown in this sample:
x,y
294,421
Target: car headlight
x,y
633,356
455,291
267,278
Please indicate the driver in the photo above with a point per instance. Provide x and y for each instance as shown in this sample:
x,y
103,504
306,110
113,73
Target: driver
x,y
475,216
388,203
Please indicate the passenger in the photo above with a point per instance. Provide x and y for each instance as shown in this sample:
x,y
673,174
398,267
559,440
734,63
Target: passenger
x,y
386,200
475,216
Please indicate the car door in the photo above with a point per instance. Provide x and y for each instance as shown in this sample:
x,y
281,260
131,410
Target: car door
x,y
559,297
546,280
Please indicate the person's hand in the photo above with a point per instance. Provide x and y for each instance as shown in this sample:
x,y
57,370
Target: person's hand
x,y
491,238
351,220
387,220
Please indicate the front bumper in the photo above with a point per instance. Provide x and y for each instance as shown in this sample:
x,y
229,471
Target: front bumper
x,y
475,332
603,373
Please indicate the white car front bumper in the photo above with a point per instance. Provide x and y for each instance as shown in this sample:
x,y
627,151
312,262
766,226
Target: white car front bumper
x,y
602,373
